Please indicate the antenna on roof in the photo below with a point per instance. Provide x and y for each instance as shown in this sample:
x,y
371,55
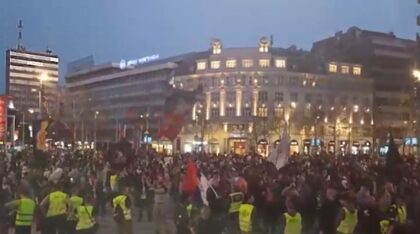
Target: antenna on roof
x,y
19,43
271,40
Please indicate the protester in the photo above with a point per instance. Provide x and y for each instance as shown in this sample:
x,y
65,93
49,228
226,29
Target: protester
x,y
122,211
25,211
86,223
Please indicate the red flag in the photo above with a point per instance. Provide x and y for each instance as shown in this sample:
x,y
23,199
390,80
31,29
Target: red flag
x,y
190,182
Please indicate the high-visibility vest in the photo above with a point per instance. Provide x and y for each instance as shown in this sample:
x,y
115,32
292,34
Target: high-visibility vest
x,y
348,224
384,224
85,219
293,224
25,212
57,204
402,214
120,201
189,209
245,215
113,182
236,200
75,201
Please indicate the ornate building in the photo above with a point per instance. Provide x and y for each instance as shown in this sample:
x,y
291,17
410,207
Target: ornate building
x,y
253,94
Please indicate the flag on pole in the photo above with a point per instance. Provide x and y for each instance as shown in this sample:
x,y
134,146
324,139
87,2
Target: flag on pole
x,y
280,155
204,185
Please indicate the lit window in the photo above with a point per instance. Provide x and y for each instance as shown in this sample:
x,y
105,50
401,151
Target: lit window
x,y
231,63
247,63
357,71
280,63
215,64
262,111
201,65
264,62
332,68
345,69
263,49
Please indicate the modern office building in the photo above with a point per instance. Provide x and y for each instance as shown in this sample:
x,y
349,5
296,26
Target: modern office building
x,y
387,60
28,75
254,94
113,101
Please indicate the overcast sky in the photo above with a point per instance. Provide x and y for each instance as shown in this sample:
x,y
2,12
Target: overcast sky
x,y
115,29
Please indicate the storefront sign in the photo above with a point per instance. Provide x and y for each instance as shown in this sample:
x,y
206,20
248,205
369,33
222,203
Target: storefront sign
x,y
124,64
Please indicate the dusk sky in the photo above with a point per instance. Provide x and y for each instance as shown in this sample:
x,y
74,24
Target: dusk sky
x,y
112,30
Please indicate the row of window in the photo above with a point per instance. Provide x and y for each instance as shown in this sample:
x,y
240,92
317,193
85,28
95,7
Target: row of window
x,y
263,96
246,63
344,69
263,112
293,81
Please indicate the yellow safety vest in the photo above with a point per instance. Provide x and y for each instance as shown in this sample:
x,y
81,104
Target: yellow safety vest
x,y
189,209
25,212
120,200
85,219
235,201
293,224
113,182
76,201
348,224
57,204
384,224
402,215
245,214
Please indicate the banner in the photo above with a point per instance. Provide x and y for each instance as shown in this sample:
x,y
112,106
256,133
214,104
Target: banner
x,y
280,155
40,130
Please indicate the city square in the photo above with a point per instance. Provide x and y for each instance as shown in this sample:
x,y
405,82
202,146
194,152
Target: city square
x,y
163,118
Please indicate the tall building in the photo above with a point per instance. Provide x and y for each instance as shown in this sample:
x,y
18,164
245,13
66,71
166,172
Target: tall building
x,y
253,94
388,61
110,102
30,76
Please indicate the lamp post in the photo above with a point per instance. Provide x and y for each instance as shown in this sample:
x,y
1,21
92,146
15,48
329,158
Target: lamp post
x,y
42,78
31,111
146,132
416,75
95,127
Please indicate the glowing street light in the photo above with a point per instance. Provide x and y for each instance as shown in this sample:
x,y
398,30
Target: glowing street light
x,y
293,105
416,74
43,77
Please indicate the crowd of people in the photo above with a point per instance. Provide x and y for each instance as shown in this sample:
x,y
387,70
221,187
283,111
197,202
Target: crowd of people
x,y
209,194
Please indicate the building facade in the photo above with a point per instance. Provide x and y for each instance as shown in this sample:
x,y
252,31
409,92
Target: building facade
x,y
31,80
388,61
107,103
254,94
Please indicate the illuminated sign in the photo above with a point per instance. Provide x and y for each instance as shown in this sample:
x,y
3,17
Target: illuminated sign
x,y
124,64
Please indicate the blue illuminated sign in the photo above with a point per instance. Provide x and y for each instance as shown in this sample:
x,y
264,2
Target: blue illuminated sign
x,y
124,64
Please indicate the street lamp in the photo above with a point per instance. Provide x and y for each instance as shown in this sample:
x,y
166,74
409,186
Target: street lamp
x,y
416,74
94,131
42,78
31,111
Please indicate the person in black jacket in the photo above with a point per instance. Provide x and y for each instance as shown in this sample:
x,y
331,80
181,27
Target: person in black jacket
x,y
328,212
